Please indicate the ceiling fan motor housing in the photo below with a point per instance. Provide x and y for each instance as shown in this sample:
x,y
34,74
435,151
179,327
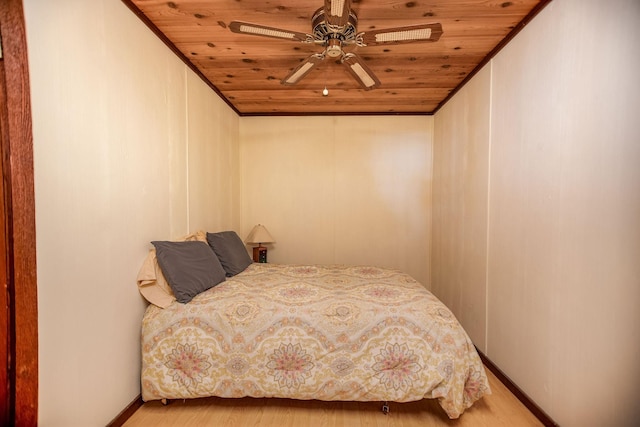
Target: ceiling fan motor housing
x,y
334,36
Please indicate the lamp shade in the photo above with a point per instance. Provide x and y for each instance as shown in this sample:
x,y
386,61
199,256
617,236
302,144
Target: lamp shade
x,y
259,234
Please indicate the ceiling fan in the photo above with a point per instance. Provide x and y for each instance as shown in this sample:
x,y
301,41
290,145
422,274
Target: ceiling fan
x,y
334,26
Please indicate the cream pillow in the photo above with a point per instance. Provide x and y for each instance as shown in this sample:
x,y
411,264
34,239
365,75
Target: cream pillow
x,y
151,282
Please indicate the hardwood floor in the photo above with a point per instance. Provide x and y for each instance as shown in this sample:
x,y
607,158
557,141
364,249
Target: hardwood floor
x,y
499,409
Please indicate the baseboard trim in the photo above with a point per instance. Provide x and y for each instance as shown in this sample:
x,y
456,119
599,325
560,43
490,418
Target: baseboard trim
x,y
127,412
542,416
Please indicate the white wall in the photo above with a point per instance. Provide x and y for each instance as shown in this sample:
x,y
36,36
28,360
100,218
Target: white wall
x,y
563,224
125,142
346,190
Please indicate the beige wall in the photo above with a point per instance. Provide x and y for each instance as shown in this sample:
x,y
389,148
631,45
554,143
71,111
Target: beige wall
x,y
563,225
460,198
536,202
213,174
347,190
129,147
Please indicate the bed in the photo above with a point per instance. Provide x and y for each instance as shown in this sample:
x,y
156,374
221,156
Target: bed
x,y
323,332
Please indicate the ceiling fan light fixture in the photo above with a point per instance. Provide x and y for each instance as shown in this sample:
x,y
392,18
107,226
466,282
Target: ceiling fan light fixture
x,y
417,34
266,32
334,48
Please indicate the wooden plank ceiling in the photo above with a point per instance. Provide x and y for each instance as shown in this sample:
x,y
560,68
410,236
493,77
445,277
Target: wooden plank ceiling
x,y
416,78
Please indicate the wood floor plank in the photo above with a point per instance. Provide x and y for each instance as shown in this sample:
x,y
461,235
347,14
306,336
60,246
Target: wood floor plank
x,y
500,409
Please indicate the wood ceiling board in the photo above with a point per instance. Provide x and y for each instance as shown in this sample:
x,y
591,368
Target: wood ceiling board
x,y
246,70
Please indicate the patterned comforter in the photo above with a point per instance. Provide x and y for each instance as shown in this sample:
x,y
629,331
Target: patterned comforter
x,y
312,332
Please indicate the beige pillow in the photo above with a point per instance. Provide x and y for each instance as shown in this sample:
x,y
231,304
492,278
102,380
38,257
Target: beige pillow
x,y
151,282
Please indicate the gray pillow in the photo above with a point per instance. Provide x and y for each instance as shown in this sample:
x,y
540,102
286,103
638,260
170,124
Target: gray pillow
x,y
230,251
189,267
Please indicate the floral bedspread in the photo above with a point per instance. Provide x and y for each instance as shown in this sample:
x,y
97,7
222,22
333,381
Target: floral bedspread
x,y
312,332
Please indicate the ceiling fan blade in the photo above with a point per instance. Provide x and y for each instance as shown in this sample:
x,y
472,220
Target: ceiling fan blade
x,y
336,12
303,69
262,30
409,34
360,71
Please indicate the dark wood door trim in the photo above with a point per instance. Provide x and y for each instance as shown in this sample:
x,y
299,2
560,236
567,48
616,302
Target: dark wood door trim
x,y
19,217
6,393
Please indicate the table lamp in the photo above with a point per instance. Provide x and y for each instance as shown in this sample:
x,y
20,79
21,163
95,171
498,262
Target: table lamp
x,y
259,234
